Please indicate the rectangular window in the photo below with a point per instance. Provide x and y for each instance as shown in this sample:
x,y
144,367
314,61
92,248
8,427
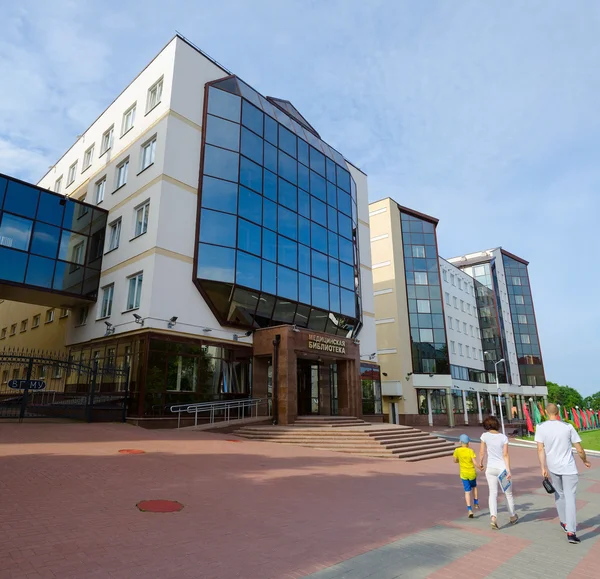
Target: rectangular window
x,y
458,326
57,371
78,255
423,307
531,381
519,300
453,347
465,328
444,275
100,188
3,333
468,351
64,313
122,170
426,335
450,323
36,321
4,376
114,234
135,291
71,174
41,372
148,151
474,353
455,300
141,219
49,316
522,318
460,284
516,281
469,309
87,158
58,184
154,95
472,331
452,279
82,314
107,140
462,305
13,329
525,339
418,251
24,326
420,277
460,350
480,355
107,299
447,298
128,120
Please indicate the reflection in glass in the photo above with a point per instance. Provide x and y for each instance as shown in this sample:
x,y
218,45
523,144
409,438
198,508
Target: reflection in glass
x,y
216,263
21,199
13,265
40,271
15,232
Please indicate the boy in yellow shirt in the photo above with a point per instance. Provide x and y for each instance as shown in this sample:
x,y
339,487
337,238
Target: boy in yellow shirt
x,y
467,461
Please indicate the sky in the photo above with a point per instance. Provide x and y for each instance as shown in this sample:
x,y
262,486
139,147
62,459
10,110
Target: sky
x,y
482,114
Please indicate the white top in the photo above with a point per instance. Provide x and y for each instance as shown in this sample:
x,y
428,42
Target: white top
x,y
495,449
558,439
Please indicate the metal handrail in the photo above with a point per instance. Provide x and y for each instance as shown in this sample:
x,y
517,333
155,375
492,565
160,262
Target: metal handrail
x,y
212,407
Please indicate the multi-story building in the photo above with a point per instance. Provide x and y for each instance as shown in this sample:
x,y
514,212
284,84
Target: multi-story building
x,y
237,240
446,328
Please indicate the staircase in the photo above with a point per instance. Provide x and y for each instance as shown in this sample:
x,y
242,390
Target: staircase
x,y
354,436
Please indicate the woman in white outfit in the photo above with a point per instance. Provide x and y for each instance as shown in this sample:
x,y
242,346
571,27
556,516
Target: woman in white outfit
x,y
498,460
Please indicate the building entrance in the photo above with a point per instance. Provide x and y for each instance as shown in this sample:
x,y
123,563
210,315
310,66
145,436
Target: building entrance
x,y
308,387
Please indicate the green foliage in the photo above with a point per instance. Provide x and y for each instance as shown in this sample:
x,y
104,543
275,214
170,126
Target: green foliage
x,y
592,401
565,396
572,424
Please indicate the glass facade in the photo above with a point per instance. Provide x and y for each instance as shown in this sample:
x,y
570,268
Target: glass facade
x,y
49,242
426,317
278,220
370,377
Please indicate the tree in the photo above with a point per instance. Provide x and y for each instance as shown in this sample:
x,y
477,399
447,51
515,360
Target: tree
x,y
565,395
592,401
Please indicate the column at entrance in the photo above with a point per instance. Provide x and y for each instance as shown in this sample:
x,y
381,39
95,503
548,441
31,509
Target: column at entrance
x,y
349,393
324,389
260,383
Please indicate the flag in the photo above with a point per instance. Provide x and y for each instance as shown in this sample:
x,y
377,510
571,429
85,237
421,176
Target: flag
x,y
583,418
542,413
575,419
559,416
537,417
566,414
527,418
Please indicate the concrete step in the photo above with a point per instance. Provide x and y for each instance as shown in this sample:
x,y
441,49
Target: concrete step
x,y
430,456
416,444
415,453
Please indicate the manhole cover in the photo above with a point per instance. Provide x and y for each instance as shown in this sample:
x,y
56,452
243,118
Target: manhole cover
x,y
159,506
131,451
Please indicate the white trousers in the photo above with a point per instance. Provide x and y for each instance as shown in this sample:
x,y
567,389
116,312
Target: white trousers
x,y
491,474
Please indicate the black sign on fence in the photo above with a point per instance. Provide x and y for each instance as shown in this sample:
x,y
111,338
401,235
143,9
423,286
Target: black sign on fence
x,y
31,384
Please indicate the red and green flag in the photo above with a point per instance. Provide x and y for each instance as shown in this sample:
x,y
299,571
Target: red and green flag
x,y
527,418
583,418
542,413
575,419
566,414
537,417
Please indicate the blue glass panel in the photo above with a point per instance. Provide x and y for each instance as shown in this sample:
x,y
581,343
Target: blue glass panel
x,y
270,185
303,177
332,244
332,218
344,202
217,263
221,163
343,179
287,223
252,117
345,225
2,190
15,231
250,205
319,237
330,170
270,214
288,195
249,237
13,265
304,259
45,241
346,251
346,276
303,151
419,264
287,252
320,266
271,130
68,277
21,199
224,104
320,293
40,271
415,226
50,209
334,270
428,227
304,231
331,194
304,287
317,186
269,277
334,298
317,161
287,141
429,239
288,167
270,157
318,211
247,270
269,245
348,303
287,283
217,228
252,146
219,194
251,175
303,203
222,133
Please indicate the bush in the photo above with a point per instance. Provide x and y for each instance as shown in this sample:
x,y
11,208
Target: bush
x,y
572,424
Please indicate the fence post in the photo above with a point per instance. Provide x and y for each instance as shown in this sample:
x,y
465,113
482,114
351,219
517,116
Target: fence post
x,y
126,399
90,401
26,391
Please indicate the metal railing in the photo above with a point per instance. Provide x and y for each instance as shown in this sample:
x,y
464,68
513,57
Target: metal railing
x,y
219,408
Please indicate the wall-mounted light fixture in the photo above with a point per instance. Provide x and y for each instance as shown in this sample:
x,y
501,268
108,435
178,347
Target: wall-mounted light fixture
x,y
110,329
171,323
138,319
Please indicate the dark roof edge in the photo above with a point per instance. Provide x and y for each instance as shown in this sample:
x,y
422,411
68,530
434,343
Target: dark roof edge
x,y
513,256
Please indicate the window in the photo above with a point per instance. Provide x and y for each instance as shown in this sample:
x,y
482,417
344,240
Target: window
x,y
82,314
455,300
24,326
148,151
472,331
453,347
531,381
154,95
49,316
522,318
71,174
36,321
469,309
447,298
78,255
516,281
426,335
13,329
450,323
525,339
418,251
474,353
480,355
462,305
58,184
122,171
460,349
141,219
128,120
420,277
4,376
460,284
57,371
87,158
135,291
423,307
107,140
41,372
458,326
107,299
64,313
114,234
444,275
100,188
519,300
468,351
452,279
465,328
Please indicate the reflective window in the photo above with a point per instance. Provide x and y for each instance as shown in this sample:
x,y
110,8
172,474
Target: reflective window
x,y
269,214
15,232
320,266
317,161
303,204
304,289
252,118
333,244
346,250
221,163
287,141
249,237
348,303
269,250
252,146
271,130
224,104
270,157
304,259
288,195
223,133
334,298
51,210
317,186
270,185
303,152
269,277
346,276
287,283
287,252
287,168
248,270
303,230
287,222
13,265
319,237
217,263
320,293
251,175
250,205
219,194
331,194
45,240
334,271
21,199
217,228
332,219
318,211
303,177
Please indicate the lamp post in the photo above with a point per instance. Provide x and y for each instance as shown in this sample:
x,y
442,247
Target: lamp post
x,y
500,393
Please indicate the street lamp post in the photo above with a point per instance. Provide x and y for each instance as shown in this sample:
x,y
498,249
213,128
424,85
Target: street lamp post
x,y
500,393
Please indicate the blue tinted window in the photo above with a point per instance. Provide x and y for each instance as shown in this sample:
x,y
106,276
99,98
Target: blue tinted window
x,y
320,293
269,277
319,265
269,245
343,179
304,289
287,167
222,133
287,283
247,271
219,194
217,228
332,244
217,263
270,215
346,276
288,223
45,240
13,265
287,195
317,186
304,259
287,252
40,271
303,152
317,161
319,237
249,237
2,190
221,163
224,104
251,175
250,205
330,170
270,157
348,304
50,209
346,251
15,231
287,141
303,230
252,146
332,216
345,225
270,185
21,199
303,177
270,130
303,203
334,298
344,203
252,117
334,270
318,211
428,227
331,194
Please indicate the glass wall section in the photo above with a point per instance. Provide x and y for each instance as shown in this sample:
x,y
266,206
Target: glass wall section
x,y
49,242
529,356
370,376
500,317
426,318
278,221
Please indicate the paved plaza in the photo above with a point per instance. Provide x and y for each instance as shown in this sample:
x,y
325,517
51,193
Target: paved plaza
x,y
257,510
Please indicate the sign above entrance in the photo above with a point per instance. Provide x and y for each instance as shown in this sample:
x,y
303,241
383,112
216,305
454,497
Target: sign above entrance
x,y
325,344
23,384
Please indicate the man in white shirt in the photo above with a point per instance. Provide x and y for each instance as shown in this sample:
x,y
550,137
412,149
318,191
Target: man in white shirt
x,y
555,441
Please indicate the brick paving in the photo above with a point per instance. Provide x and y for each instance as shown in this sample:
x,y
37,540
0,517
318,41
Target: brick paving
x,y
263,511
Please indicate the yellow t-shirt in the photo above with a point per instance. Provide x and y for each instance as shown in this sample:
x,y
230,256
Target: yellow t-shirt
x,y
465,457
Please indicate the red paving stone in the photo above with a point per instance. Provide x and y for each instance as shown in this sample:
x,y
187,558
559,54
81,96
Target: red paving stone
x,y
252,510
